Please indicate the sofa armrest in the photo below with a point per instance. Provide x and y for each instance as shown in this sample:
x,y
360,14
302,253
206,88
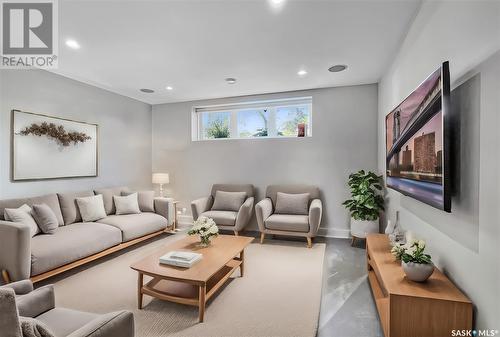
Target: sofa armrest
x,y
199,206
263,210
20,287
244,214
119,323
9,317
165,208
36,302
315,213
15,250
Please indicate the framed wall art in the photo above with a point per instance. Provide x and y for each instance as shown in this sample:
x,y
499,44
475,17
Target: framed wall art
x,y
47,147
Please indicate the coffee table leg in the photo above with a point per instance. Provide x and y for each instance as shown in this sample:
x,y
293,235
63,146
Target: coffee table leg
x,y
201,303
139,290
242,265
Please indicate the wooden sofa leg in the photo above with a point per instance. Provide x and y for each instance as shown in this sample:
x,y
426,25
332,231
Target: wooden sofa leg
x,y
236,233
5,276
309,242
262,236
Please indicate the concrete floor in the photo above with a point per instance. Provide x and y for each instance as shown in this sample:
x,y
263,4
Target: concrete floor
x,y
347,306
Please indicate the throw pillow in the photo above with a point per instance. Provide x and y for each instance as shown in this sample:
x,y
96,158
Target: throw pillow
x,y
22,215
91,208
228,201
127,205
292,203
31,327
146,200
45,218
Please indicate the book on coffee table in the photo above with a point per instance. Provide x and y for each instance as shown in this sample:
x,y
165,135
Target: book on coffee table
x,y
180,258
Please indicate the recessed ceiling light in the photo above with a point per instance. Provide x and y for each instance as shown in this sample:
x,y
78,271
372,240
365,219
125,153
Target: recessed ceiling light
x,y
277,2
230,80
72,44
169,88
302,72
147,91
336,68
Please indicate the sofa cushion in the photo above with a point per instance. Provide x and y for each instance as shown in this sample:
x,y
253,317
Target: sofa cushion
x,y
225,218
128,204
247,188
272,191
107,195
22,215
291,203
228,201
91,208
288,222
69,208
33,327
36,302
62,322
136,225
50,200
45,218
70,243
146,200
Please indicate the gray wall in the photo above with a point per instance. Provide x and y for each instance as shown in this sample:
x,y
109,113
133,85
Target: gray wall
x,y
124,129
464,244
344,140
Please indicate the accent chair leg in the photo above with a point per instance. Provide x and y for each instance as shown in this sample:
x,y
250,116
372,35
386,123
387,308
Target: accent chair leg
x,y
309,242
262,236
236,233
5,276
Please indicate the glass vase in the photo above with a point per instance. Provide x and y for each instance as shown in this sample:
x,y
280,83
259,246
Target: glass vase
x,y
204,241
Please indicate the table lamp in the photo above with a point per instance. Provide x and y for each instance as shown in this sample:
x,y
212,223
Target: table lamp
x,y
160,179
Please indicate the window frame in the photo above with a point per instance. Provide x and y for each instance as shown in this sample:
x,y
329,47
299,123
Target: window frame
x,y
234,108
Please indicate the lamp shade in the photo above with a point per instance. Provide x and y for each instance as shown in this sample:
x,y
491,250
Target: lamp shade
x,y
160,178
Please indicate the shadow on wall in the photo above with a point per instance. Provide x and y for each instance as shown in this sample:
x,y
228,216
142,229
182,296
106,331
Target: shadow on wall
x,y
462,224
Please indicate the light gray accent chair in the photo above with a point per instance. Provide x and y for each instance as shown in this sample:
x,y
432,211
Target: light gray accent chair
x,y
21,303
305,225
235,221
23,256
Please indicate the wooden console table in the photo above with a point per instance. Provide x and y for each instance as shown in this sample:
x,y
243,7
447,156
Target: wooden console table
x,y
412,309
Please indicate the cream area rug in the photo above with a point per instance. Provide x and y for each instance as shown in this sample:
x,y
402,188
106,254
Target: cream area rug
x,y
278,296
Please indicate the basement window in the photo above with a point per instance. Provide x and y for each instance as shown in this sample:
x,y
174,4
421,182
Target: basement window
x,y
251,120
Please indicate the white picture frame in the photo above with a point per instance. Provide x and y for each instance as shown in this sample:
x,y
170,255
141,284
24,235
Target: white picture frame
x,y
41,157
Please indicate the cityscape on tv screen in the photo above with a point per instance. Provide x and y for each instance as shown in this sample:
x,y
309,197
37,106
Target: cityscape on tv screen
x,y
414,141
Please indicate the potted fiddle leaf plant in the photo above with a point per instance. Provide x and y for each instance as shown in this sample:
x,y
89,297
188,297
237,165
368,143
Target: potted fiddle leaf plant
x,y
365,204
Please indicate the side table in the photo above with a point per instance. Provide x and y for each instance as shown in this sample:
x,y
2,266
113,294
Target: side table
x,y
173,228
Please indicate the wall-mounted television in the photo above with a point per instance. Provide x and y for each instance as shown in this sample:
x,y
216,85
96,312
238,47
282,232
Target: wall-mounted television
x,y
418,142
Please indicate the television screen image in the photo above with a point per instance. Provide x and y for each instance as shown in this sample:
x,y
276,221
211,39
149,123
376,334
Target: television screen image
x,y
417,142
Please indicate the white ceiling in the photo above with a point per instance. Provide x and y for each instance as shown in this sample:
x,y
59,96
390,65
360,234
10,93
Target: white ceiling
x,y
194,45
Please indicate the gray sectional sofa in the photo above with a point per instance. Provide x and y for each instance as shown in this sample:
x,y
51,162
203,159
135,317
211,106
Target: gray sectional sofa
x,y
74,242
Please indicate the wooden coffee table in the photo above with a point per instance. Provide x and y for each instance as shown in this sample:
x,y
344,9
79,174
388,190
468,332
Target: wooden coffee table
x,y
195,285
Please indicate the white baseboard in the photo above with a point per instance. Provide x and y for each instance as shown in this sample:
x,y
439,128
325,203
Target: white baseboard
x,y
334,233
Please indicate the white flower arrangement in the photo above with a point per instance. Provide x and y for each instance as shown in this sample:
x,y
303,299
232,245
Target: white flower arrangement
x,y
204,227
412,252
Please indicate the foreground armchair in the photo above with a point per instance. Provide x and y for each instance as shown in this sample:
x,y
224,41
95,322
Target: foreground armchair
x,y
229,205
293,210
24,311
